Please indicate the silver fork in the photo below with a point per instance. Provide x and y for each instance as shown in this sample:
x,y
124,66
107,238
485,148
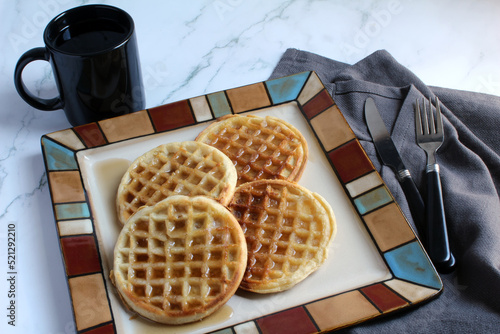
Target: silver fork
x,y
430,136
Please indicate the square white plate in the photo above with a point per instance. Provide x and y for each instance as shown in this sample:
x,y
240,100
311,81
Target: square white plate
x,y
376,264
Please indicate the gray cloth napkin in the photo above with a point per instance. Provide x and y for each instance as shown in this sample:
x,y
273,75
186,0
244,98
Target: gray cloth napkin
x,y
470,174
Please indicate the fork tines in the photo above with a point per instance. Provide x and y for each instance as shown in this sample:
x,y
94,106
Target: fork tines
x,y
430,126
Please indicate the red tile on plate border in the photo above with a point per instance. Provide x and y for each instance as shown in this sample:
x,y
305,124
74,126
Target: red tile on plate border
x,y
291,321
171,116
317,104
91,134
350,161
80,254
106,329
383,297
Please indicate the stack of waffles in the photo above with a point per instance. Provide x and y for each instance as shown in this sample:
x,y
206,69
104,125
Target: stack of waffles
x,y
204,217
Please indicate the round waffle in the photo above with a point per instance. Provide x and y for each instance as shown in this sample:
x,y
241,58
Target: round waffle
x,y
182,168
260,148
288,230
179,260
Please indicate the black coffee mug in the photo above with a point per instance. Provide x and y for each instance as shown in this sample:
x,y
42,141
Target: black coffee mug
x,y
93,53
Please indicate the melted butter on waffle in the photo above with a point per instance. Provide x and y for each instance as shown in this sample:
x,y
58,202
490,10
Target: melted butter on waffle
x,y
259,147
288,230
179,260
181,168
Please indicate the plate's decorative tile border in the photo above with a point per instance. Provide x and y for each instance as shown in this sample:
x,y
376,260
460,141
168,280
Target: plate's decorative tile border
x,y
413,277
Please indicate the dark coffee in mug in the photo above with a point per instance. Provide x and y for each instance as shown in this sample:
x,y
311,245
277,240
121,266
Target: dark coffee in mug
x,y
94,57
90,36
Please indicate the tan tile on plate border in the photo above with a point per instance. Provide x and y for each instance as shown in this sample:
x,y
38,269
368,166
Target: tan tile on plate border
x,y
74,227
363,184
331,128
389,227
66,186
312,87
128,126
246,328
412,292
248,97
341,310
201,109
68,138
89,301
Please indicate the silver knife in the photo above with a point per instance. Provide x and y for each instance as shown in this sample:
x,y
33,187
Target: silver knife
x,y
390,157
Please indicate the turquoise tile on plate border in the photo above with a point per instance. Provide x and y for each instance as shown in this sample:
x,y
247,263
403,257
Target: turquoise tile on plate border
x,y
409,262
72,211
287,88
58,157
372,200
219,103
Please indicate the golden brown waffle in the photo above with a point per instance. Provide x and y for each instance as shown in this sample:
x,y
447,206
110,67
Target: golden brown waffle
x,y
288,230
182,168
180,260
260,148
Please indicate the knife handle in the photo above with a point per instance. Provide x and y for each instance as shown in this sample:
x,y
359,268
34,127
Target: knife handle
x,y
438,243
415,203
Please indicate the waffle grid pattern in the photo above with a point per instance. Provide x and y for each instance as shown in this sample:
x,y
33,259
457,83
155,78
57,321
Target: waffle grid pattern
x,y
189,170
60,147
282,230
259,148
179,259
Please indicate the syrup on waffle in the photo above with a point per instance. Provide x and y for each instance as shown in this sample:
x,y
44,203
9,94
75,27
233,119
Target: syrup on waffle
x,y
179,260
181,168
288,230
260,148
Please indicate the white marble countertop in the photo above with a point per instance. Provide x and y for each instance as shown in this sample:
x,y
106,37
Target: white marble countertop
x,y
194,48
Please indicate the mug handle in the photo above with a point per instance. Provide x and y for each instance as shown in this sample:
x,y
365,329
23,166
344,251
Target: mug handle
x,y
34,101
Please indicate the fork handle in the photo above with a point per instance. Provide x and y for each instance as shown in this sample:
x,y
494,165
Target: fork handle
x,y
437,235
